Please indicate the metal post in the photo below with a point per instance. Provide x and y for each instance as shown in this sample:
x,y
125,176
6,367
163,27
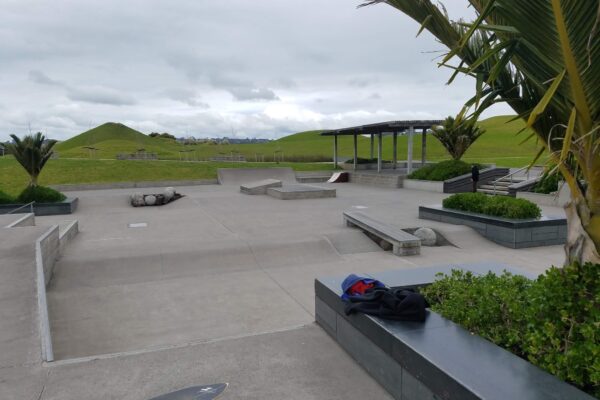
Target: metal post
x,y
335,152
355,152
372,143
395,149
411,132
423,147
379,153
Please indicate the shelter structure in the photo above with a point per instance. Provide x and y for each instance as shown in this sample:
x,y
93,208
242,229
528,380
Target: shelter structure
x,y
380,129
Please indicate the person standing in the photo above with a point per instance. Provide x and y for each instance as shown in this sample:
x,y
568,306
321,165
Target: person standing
x,y
475,176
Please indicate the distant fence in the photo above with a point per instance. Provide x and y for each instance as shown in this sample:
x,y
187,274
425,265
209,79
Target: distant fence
x,y
137,156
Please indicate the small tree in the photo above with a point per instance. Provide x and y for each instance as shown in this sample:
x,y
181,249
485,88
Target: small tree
x,y
32,152
457,135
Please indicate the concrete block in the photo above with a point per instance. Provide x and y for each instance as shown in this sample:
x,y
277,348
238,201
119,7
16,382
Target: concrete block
x,y
378,364
325,316
259,187
413,389
297,192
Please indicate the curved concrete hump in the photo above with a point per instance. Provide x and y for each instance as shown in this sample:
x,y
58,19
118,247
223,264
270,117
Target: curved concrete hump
x,y
238,176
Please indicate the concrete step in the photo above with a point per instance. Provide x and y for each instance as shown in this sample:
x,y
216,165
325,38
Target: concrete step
x,y
491,191
497,188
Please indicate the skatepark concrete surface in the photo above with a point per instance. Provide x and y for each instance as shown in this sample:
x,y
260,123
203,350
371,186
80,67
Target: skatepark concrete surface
x,y
216,287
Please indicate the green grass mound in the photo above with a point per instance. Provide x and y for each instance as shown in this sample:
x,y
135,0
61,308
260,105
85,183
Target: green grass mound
x,y
6,199
442,171
40,194
497,206
552,321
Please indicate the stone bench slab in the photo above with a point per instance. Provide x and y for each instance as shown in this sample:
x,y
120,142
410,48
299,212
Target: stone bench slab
x,y
296,192
404,244
259,187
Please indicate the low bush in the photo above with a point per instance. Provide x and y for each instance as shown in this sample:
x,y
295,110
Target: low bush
x,y
442,171
365,161
6,199
40,194
497,206
548,183
554,321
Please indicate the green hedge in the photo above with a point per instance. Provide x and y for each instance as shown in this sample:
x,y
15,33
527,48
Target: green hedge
x,y
6,199
40,194
554,321
442,170
548,183
365,161
497,206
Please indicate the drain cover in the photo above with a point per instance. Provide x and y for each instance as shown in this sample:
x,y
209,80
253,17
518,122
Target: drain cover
x,y
138,225
205,392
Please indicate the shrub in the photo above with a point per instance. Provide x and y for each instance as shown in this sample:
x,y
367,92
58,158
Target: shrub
x,y
554,321
563,324
442,171
497,206
365,161
490,306
548,183
6,199
40,194
457,134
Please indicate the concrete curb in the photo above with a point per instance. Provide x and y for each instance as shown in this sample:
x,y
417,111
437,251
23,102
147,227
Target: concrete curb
x,y
45,260
130,185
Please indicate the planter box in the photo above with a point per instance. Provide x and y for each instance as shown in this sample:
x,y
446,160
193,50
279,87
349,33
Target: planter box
x,y
512,233
437,359
419,184
68,206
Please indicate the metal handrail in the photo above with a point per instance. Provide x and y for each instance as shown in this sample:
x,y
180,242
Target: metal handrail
x,y
30,205
511,176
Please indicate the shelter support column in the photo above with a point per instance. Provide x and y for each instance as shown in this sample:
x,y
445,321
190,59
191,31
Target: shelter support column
x,y
423,147
411,133
372,145
395,150
355,152
335,151
379,152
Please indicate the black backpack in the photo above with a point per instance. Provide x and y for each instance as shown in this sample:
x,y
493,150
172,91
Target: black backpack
x,y
396,304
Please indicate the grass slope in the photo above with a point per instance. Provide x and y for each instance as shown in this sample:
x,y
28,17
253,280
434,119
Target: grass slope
x,y
499,145
13,177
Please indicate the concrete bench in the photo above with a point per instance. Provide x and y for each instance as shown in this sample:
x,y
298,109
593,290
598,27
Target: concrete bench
x,y
404,244
259,187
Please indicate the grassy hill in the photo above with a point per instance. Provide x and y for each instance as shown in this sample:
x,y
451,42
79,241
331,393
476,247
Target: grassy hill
x,y
499,144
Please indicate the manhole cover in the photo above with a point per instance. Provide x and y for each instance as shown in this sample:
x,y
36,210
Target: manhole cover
x,y
138,225
205,392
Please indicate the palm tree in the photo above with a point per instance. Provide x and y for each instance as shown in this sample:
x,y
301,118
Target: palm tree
x,y
457,135
32,152
543,59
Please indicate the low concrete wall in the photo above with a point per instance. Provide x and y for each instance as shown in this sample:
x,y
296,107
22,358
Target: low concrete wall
x,y
514,234
374,179
46,253
50,249
559,199
67,206
70,231
429,186
22,220
129,185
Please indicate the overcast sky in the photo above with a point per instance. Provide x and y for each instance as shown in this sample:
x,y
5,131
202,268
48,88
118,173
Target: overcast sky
x,y
205,68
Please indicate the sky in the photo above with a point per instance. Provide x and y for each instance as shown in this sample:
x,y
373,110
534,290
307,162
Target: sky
x,y
212,68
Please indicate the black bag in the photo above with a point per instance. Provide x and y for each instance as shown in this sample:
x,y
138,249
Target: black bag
x,y
396,304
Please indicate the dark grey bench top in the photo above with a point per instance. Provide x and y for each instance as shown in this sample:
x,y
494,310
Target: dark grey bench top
x,y
381,229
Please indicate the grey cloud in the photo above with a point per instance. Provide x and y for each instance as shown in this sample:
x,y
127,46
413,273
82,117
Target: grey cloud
x,y
43,79
185,96
374,96
100,95
244,94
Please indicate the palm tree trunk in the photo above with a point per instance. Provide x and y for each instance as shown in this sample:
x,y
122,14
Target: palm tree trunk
x,y
580,247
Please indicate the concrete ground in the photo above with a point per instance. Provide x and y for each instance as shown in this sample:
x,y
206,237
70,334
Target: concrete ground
x,y
218,286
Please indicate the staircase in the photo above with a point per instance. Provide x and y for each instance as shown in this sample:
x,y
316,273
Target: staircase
x,y
500,186
521,179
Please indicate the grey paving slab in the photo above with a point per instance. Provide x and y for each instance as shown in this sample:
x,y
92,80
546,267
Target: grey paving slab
x,y
298,364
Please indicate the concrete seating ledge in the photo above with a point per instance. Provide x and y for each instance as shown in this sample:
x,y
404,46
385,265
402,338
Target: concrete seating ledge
x,y
437,359
259,187
404,244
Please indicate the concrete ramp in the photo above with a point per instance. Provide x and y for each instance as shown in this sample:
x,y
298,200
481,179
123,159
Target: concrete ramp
x,y
239,176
